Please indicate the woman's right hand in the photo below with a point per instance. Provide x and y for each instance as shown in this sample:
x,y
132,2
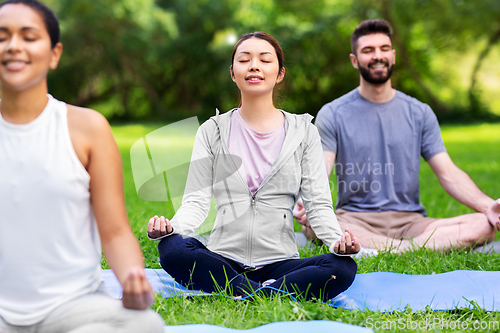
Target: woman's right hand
x,y
158,227
348,244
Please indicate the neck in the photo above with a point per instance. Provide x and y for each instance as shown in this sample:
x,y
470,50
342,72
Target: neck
x,y
260,113
22,107
376,93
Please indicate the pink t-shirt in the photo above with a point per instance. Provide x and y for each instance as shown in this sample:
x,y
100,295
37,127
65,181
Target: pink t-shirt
x,y
258,151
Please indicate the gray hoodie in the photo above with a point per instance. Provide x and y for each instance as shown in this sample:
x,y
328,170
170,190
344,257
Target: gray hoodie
x,y
256,229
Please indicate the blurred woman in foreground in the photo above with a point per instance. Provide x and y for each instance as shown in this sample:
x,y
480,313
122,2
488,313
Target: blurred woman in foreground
x,y
59,168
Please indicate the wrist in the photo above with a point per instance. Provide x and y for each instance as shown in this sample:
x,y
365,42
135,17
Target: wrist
x,y
485,208
160,237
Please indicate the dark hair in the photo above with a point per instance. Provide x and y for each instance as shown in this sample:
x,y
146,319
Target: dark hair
x,y
48,17
268,38
370,27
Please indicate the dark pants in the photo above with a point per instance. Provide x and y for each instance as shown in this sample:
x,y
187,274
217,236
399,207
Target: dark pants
x,y
193,265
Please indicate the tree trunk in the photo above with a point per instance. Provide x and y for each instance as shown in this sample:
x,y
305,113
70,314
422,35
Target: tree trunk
x,y
403,53
476,108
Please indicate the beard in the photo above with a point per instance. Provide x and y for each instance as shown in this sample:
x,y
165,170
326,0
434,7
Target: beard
x,y
377,78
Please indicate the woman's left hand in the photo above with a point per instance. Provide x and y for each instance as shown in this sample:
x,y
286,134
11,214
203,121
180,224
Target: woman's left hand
x,y
348,244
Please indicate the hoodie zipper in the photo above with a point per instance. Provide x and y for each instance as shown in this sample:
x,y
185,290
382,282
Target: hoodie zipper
x,y
250,231
252,195
283,242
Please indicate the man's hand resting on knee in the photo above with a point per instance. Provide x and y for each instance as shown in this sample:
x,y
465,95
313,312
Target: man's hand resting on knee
x,y
348,244
300,216
158,227
493,214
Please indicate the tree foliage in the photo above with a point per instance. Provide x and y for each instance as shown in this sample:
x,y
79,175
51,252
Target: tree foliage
x,y
169,59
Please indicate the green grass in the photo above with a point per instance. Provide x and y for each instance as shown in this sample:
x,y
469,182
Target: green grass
x,y
473,148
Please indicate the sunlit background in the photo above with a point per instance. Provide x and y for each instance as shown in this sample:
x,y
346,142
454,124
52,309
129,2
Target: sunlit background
x,y
169,59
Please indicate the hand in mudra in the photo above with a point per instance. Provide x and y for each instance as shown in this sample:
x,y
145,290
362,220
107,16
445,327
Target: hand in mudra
x,y
348,244
158,227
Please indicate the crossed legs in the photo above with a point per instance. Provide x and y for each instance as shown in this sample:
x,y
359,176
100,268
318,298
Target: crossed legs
x,y
465,231
190,263
97,312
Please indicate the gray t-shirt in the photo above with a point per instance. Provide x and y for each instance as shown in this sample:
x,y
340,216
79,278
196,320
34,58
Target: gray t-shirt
x,y
378,148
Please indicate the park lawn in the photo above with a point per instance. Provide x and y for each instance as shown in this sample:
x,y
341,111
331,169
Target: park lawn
x,y
474,148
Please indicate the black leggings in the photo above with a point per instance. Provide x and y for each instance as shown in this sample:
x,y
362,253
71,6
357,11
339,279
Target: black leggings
x,y
193,265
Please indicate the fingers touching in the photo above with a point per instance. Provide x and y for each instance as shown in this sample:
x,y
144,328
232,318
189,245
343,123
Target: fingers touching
x,y
496,209
493,214
159,226
348,244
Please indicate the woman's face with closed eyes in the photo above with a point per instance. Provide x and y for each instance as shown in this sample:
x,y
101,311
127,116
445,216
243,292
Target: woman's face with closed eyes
x,y
255,68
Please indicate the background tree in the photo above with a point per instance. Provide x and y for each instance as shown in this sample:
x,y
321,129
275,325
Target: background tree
x,y
169,59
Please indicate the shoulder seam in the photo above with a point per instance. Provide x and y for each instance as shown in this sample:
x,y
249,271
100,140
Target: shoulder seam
x,y
338,105
412,101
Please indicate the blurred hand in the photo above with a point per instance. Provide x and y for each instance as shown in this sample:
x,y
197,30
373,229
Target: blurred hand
x,y
300,213
300,216
348,244
159,226
493,214
137,293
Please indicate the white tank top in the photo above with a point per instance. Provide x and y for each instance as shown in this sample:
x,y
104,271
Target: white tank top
x,y
50,250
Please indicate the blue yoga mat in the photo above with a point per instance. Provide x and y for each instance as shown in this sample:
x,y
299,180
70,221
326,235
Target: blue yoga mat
x,y
383,291
161,282
379,291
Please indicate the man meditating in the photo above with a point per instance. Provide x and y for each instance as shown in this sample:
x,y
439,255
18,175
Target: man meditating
x,y
375,135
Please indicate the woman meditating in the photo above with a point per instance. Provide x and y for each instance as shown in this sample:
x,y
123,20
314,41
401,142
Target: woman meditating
x,y
256,160
61,196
